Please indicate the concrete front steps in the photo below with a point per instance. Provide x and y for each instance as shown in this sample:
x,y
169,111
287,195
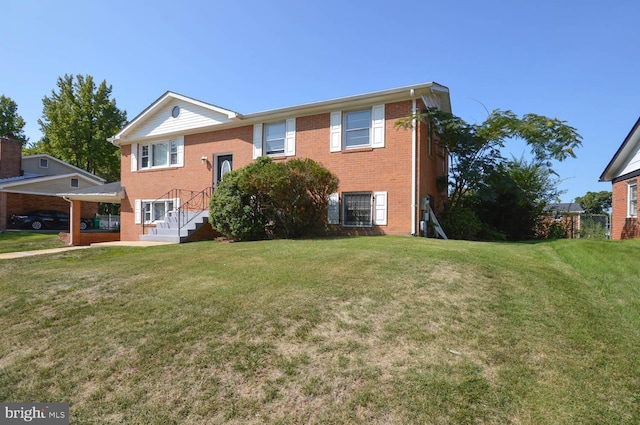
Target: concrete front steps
x,y
168,230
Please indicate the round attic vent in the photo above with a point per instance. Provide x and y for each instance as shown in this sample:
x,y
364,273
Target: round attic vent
x,y
175,111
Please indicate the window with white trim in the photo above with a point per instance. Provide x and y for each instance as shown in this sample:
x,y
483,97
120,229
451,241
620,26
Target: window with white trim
x,y
632,196
357,126
75,183
158,210
44,163
357,129
358,209
274,138
161,154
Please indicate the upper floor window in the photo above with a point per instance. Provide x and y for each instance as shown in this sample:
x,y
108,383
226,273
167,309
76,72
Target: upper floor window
x,y
161,154
357,129
274,138
632,209
357,126
44,163
75,183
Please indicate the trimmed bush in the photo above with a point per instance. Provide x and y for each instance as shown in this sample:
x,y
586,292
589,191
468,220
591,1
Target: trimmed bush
x,y
266,199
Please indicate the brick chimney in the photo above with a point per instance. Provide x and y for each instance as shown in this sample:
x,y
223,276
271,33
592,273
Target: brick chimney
x,y
10,157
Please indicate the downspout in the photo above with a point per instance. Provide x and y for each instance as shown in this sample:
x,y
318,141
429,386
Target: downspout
x,y
70,219
414,167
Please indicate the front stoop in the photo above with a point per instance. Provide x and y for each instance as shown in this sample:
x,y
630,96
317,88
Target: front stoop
x,y
168,230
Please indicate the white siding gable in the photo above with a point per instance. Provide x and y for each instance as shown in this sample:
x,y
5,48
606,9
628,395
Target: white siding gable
x,y
191,116
633,164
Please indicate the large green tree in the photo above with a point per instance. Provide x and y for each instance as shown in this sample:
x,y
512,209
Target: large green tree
x,y
595,202
512,198
76,121
475,153
11,123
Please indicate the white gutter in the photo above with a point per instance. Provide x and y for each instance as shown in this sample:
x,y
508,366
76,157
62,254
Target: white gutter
x,y
70,219
414,168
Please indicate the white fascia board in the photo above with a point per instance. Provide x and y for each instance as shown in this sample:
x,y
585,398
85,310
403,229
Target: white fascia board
x,y
348,102
623,155
366,99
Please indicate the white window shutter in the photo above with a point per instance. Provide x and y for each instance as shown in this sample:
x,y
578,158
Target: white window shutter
x,y
180,147
377,126
134,157
290,137
138,212
380,208
336,132
257,141
333,209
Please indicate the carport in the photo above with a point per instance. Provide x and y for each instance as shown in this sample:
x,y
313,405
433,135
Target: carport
x,y
112,193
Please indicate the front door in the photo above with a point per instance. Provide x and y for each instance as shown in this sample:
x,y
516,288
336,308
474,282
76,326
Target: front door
x,y
224,165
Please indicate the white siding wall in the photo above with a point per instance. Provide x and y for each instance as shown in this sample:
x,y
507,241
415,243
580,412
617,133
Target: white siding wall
x,y
191,116
60,185
32,165
633,164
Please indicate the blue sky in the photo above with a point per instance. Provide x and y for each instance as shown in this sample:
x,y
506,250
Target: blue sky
x,y
574,60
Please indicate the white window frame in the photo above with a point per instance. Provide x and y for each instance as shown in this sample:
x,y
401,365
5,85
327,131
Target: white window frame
x,y
259,143
173,149
338,129
632,199
44,163
147,209
346,131
265,140
76,181
378,204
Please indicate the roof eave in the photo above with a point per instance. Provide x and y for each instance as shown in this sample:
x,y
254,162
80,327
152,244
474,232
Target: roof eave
x,y
614,165
414,91
121,135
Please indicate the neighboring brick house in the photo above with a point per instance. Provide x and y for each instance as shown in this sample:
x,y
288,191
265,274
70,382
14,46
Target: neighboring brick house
x,y
384,171
32,182
623,171
568,214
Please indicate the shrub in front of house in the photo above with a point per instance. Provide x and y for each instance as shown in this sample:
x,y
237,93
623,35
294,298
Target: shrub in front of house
x,y
269,199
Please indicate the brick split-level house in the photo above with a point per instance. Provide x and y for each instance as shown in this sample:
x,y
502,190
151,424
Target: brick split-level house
x,y
33,182
175,152
623,171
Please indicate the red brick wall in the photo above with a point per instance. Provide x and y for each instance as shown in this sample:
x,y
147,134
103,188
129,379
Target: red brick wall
x,y
432,164
622,227
153,184
10,158
384,169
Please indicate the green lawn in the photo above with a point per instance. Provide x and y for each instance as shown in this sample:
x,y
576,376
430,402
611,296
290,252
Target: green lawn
x,y
367,330
28,241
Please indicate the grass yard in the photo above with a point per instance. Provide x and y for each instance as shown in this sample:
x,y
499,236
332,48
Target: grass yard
x,y
28,241
367,330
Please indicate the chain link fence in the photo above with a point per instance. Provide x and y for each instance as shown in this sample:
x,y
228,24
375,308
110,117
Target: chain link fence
x,y
594,226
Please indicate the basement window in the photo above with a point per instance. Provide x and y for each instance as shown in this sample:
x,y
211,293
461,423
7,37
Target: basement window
x,y
158,210
357,209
